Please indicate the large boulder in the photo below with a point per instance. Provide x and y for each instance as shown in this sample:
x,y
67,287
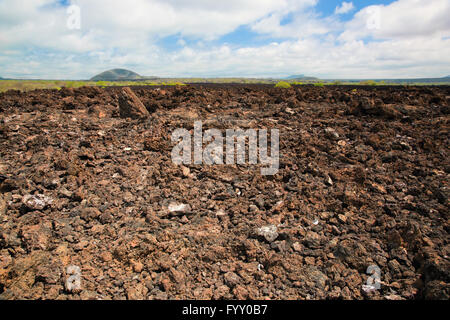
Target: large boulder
x,y
130,106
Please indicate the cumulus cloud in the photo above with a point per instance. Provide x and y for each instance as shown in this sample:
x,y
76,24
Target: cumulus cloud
x,y
345,7
406,38
402,19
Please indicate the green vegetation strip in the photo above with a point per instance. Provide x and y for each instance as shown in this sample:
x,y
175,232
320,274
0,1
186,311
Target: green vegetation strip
x,y
28,85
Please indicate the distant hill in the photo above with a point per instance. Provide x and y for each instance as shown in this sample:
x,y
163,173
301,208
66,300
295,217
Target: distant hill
x,y
117,75
300,77
444,80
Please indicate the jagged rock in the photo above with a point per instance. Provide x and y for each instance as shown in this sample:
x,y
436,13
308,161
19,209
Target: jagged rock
x,y
130,106
179,208
36,202
268,232
3,206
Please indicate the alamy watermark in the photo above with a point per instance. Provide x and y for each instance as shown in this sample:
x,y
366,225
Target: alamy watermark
x,y
74,17
373,282
373,21
73,281
235,152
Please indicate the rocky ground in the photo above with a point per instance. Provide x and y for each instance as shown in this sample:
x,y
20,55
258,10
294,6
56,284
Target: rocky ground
x,y
363,181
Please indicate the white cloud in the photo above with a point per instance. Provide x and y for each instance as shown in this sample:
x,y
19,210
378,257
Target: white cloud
x,y
304,24
345,7
412,39
403,19
322,58
198,18
124,23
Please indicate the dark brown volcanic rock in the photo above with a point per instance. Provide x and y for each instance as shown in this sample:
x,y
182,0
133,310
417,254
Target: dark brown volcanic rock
x,y
358,186
131,106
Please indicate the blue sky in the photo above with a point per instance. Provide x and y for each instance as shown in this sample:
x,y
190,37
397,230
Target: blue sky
x,y
244,36
328,7
75,39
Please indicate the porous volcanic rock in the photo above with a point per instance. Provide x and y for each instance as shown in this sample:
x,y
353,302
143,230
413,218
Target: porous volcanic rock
x,y
363,184
131,106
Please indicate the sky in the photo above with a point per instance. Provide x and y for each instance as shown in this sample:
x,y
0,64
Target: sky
x,y
330,39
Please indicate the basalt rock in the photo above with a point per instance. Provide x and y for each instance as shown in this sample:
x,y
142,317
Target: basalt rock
x,y
82,187
131,106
